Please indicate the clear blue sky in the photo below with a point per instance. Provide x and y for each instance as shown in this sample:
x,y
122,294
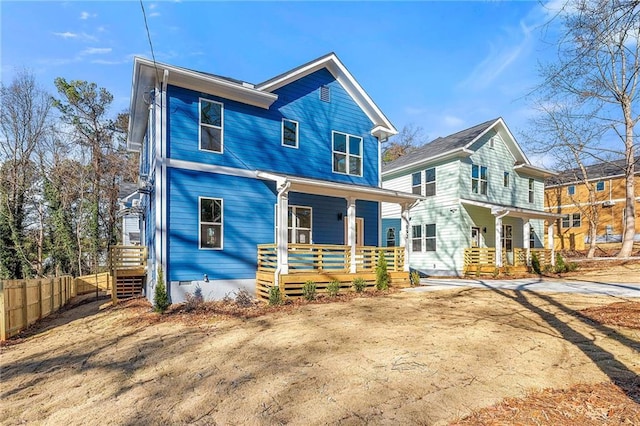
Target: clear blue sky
x,y
444,66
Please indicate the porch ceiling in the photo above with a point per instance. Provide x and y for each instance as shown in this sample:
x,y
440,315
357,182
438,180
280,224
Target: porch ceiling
x,y
499,209
341,190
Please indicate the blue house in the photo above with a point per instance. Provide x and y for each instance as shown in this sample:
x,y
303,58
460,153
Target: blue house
x,y
264,183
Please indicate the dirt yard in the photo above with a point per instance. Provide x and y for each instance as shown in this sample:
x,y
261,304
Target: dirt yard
x,y
404,358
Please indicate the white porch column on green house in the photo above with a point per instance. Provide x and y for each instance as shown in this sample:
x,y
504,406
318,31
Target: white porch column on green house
x,y
282,216
550,243
526,236
351,232
498,241
404,233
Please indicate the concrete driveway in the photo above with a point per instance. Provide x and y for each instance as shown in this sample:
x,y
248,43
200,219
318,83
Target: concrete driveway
x,y
625,290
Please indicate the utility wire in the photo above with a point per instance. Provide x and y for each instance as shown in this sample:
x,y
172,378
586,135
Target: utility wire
x,y
153,56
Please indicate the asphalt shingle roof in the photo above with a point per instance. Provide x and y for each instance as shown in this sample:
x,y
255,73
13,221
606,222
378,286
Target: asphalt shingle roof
x,y
594,171
440,146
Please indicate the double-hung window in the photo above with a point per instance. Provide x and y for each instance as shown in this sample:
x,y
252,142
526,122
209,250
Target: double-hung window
x,y
347,154
531,190
479,179
505,180
416,238
299,225
416,183
430,182
211,223
423,237
430,237
600,186
289,133
211,121
572,221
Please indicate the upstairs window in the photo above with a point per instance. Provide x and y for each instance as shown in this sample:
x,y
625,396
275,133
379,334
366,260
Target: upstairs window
x,y
430,182
211,120
479,179
416,183
210,223
505,180
531,190
289,133
572,221
600,186
347,154
571,189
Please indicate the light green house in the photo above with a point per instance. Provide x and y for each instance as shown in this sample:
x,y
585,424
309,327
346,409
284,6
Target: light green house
x,y
481,192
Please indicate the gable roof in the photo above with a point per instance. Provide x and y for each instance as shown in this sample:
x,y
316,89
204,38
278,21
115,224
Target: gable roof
x,y
593,171
147,75
459,145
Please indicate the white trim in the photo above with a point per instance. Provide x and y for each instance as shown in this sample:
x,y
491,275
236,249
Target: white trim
x,y
294,228
574,205
200,223
210,168
347,154
163,170
512,211
531,186
297,133
459,152
200,124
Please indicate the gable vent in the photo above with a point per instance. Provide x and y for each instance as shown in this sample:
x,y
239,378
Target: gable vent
x,y
325,94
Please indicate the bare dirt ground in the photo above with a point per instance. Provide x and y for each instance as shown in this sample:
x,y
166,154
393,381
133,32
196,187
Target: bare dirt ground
x,y
468,356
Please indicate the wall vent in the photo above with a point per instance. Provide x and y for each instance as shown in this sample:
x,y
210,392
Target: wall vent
x,y
325,94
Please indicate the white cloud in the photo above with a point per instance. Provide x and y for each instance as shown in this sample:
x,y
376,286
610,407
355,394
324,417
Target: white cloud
x,y
96,51
153,6
66,35
107,62
453,121
87,15
154,14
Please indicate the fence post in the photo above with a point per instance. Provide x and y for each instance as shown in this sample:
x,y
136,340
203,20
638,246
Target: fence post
x,y
3,322
40,299
25,313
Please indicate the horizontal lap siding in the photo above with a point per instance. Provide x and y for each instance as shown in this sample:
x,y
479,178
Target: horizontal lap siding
x,y
394,224
248,218
252,135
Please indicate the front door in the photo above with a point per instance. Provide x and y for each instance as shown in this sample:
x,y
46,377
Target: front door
x,y
475,237
507,242
359,231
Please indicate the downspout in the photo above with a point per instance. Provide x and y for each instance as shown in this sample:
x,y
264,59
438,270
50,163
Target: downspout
x,y
283,189
163,171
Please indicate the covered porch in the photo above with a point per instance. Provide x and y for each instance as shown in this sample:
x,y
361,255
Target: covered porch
x,y
503,238
291,261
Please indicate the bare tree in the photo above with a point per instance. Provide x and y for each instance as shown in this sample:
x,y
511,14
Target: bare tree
x,y
408,139
597,69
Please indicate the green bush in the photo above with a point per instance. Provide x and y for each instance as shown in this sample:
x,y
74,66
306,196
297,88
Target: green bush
x,y
560,265
382,276
414,278
275,298
333,288
309,290
358,284
160,296
535,264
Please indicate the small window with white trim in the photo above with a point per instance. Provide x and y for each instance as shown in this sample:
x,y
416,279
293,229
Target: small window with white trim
x,y
416,238
416,183
289,133
347,153
430,182
430,237
531,190
210,222
600,186
211,122
571,190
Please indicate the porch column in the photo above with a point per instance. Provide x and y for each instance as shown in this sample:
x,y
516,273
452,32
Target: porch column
x,y
498,241
282,215
526,236
550,243
351,231
404,234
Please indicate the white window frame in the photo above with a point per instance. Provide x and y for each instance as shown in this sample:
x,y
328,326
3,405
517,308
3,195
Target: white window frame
x,y
292,231
200,124
480,180
428,184
416,186
200,223
428,238
297,133
570,220
390,231
571,190
418,238
598,184
347,154
532,193
506,177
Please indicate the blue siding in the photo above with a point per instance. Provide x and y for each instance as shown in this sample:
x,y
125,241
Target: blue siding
x,y
390,223
248,221
252,135
369,211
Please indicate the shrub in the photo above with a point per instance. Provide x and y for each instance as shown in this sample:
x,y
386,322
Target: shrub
x,y
571,266
274,296
244,298
535,263
358,284
382,276
309,290
160,296
333,288
193,301
560,265
414,278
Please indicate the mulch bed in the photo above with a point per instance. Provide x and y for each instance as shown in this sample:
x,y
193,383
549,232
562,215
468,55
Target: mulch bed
x,y
622,314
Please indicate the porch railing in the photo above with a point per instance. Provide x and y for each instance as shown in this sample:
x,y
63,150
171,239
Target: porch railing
x,y
486,256
325,257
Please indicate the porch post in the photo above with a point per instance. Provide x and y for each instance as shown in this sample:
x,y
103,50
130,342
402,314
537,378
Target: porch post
x,y
550,243
351,231
282,215
498,241
526,236
404,234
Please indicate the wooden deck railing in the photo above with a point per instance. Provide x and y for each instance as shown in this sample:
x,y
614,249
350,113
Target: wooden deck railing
x,y
487,256
128,266
128,257
325,257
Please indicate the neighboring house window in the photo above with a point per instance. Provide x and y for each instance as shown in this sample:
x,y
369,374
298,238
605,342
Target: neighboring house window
x,y
211,119
478,179
391,237
347,154
416,238
571,221
505,179
571,189
531,190
532,237
430,237
299,225
210,223
416,183
325,94
430,182
600,186
289,133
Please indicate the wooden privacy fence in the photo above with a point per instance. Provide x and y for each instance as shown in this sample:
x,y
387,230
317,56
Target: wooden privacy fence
x,y
23,302
88,283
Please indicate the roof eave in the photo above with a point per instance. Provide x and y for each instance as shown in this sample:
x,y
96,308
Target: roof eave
x,y
455,153
535,171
